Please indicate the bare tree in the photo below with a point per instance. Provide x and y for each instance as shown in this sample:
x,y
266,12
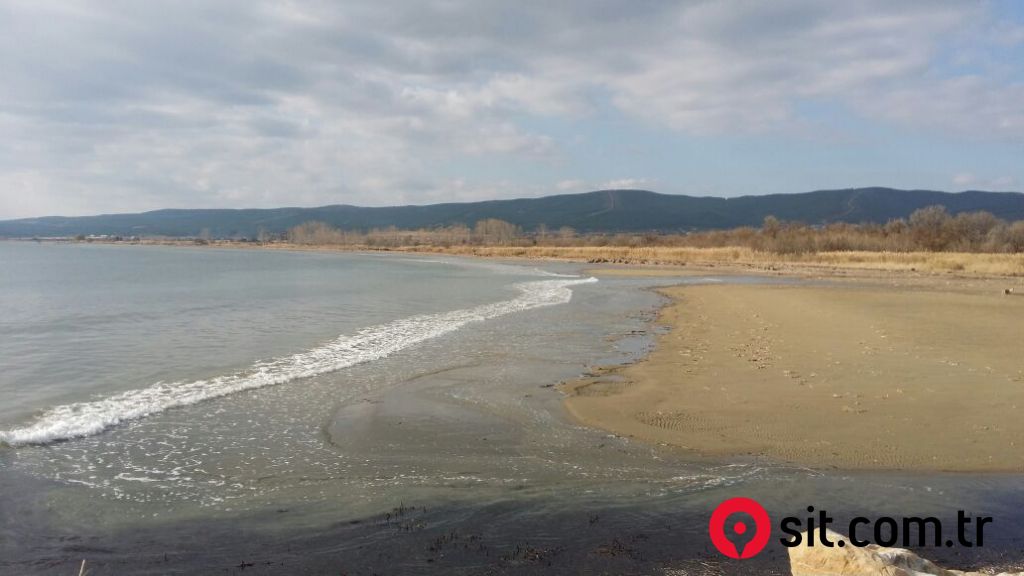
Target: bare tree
x,y
928,227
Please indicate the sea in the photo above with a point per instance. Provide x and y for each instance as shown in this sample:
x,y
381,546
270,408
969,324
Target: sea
x,y
178,410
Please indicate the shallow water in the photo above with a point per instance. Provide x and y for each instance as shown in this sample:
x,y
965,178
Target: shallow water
x,y
373,413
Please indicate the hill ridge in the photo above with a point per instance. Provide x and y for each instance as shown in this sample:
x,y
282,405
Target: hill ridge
x,y
609,210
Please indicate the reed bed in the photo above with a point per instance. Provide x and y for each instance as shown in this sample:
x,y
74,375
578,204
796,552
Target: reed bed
x,y
932,262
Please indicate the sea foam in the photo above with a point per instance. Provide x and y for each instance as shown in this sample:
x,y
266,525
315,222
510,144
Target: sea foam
x,y
88,418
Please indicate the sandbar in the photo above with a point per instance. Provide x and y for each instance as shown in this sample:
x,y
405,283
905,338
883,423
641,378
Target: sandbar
x,y
834,376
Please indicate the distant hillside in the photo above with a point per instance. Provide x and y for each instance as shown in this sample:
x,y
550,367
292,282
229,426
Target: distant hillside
x,y
600,211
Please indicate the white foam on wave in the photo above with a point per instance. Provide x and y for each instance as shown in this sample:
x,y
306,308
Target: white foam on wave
x,y
88,418
541,272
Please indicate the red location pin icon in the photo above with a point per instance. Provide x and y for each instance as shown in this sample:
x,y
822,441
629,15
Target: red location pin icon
x,y
739,528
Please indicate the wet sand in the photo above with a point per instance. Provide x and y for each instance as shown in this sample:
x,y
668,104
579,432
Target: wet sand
x,y
849,376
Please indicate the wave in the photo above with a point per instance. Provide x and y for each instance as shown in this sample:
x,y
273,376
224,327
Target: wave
x,y
89,418
541,272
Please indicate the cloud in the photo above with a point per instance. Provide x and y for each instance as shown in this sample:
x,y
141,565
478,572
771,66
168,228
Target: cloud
x,y
625,183
970,106
260,103
729,70
580,185
969,180
571,185
964,179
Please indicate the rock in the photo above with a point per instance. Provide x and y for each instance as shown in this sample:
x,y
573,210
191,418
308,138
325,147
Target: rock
x,y
872,559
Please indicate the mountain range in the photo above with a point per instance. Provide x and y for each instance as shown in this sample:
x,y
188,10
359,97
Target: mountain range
x,y
598,211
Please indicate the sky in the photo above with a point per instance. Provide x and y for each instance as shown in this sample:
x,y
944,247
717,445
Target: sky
x,y
125,106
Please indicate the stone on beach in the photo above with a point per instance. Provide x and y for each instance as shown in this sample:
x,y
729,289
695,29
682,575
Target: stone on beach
x,y
850,560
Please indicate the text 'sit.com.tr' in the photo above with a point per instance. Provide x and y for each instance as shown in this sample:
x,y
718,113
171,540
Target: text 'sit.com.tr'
x,y
740,528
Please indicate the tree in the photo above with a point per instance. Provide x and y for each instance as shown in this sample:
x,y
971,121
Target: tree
x,y
314,233
970,230
929,227
494,230
1016,236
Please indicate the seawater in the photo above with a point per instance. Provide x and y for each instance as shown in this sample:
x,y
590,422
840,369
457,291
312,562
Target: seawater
x,y
174,410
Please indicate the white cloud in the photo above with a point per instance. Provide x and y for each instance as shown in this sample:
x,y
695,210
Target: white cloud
x,y
964,179
259,103
969,180
970,106
1004,182
625,184
571,185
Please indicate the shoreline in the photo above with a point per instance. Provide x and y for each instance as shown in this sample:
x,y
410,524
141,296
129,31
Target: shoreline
x,y
677,261
845,375
644,386
574,500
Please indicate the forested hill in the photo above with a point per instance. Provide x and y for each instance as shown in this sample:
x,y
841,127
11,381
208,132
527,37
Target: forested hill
x,y
599,211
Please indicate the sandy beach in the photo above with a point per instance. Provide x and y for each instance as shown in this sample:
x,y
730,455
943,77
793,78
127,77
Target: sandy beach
x,y
849,375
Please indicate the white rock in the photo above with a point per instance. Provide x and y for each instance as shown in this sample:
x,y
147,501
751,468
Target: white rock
x,y
850,560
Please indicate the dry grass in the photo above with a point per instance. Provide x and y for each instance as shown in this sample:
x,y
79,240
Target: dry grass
x,y
929,262
930,241
957,263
